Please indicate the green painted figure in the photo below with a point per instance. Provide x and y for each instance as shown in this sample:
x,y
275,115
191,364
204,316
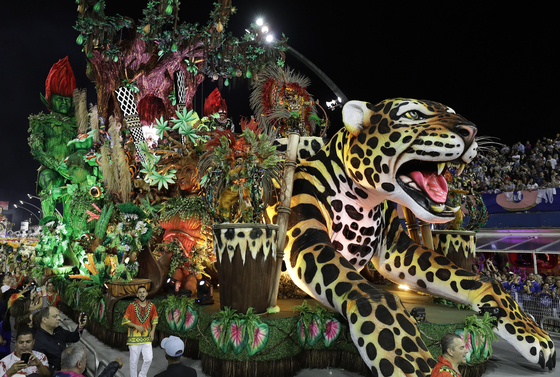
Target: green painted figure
x,y
50,133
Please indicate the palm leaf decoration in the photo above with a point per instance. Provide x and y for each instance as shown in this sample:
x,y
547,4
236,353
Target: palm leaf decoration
x,y
237,174
162,127
480,332
183,123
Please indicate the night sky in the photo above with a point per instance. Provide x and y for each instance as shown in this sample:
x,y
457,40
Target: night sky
x,y
495,65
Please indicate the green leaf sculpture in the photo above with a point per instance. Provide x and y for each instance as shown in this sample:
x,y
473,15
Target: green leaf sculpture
x,y
236,333
333,328
260,337
191,319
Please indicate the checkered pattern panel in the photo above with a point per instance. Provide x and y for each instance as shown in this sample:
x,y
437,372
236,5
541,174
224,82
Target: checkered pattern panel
x,y
126,101
133,124
180,90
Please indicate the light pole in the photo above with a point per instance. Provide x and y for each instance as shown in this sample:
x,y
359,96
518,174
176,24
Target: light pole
x,y
341,98
32,205
31,212
39,199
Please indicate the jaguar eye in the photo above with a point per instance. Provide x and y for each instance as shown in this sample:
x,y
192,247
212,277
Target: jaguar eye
x,y
414,115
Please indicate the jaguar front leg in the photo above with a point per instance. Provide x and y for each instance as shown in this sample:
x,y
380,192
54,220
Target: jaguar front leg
x,y
422,269
382,330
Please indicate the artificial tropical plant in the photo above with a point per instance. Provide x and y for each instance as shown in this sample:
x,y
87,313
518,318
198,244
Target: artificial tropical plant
x,y
238,173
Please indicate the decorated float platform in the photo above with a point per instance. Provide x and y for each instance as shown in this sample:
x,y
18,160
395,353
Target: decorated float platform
x,y
283,345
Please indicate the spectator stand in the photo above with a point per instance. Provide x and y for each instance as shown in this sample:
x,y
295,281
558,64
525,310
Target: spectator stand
x,y
529,251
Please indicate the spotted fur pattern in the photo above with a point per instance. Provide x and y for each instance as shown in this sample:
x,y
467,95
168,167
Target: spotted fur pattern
x,y
342,217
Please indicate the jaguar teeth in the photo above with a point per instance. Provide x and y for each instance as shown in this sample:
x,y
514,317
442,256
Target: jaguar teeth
x,y
405,179
438,207
413,185
440,167
460,169
454,209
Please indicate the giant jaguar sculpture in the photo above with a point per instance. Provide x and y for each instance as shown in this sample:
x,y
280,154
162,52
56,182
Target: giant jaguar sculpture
x,y
342,217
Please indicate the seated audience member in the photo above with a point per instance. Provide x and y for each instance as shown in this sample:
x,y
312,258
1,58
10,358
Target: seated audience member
x,y
515,285
453,353
13,363
546,291
551,282
19,309
74,360
174,347
528,287
51,339
532,278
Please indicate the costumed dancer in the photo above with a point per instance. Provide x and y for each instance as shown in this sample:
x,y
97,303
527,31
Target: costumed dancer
x,y
215,104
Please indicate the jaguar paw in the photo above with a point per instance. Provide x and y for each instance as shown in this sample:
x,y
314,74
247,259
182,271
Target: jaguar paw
x,y
387,338
516,327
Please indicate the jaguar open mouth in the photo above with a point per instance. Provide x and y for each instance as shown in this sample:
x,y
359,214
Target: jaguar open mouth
x,y
425,183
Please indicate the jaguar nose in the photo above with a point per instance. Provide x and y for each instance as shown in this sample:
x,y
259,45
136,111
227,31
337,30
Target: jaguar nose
x,y
466,131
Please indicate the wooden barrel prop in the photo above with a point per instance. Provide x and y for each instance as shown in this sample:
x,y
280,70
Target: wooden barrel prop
x,y
459,246
246,257
119,288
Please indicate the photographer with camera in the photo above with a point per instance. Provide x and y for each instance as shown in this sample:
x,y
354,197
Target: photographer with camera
x,y
51,338
24,360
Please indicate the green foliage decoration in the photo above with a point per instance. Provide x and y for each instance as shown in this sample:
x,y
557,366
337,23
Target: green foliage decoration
x,y
184,207
245,166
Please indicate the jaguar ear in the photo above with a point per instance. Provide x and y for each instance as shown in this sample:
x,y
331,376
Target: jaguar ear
x,y
356,115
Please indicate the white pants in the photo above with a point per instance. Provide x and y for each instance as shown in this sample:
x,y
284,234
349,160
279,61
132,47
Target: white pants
x,y
147,356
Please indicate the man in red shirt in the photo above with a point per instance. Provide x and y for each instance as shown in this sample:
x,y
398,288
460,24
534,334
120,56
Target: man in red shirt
x,y
454,353
141,317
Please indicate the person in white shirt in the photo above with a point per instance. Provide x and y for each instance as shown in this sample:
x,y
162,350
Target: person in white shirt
x,y
37,362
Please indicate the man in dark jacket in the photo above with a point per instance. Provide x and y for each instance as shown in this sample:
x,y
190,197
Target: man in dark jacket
x,y
174,347
51,339
74,360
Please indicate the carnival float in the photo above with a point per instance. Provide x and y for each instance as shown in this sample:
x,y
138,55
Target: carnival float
x,y
203,212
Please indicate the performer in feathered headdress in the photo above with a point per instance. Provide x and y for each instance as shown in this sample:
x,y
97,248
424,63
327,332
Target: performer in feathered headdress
x,y
282,104
59,87
216,108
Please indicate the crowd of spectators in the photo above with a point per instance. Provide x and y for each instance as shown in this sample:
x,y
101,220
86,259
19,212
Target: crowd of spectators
x,y
520,167
537,294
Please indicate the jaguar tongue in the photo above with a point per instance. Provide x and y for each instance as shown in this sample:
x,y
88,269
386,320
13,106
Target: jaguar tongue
x,y
433,184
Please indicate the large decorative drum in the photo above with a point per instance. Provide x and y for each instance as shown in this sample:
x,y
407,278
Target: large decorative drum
x,y
246,257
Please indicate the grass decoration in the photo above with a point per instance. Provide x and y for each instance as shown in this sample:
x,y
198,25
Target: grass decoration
x,y
114,165
79,98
